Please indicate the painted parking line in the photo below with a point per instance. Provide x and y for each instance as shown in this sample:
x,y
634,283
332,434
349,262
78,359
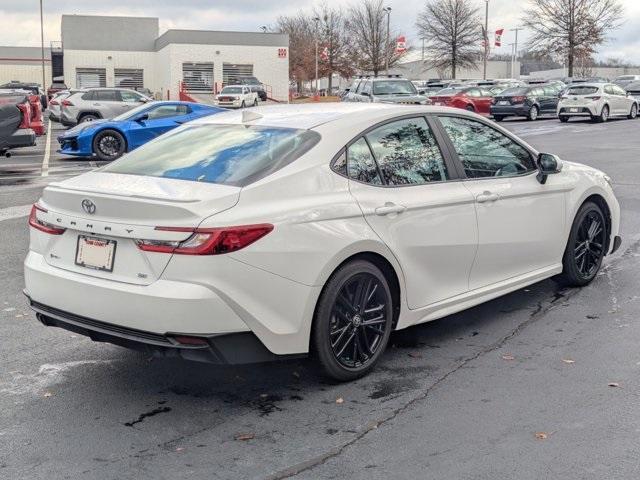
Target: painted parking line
x,y
17,211
47,152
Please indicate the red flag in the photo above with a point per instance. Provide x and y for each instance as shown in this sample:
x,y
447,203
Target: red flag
x,y
499,37
324,54
401,44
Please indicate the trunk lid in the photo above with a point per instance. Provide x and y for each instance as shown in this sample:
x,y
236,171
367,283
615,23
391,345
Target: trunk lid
x,y
121,208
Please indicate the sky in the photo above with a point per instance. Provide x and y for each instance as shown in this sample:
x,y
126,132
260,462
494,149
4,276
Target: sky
x,y
20,19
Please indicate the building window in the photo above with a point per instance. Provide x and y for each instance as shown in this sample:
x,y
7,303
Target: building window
x,y
198,77
128,78
232,72
91,77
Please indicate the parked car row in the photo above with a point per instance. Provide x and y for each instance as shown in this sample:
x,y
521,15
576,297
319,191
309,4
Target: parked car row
x,y
21,119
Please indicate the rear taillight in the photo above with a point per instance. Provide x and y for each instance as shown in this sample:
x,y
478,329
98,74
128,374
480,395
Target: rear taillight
x,y
518,99
207,241
67,103
25,110
594,98
40,225
54,102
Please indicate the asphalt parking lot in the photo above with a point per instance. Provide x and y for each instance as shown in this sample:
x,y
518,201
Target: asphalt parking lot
x,y
542,383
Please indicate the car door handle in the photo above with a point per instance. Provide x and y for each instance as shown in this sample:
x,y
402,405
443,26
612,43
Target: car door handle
x,y
487,196
390,207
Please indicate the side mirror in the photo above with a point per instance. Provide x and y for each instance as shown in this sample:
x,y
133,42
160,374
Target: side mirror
x,y
142,118
422,92
548,164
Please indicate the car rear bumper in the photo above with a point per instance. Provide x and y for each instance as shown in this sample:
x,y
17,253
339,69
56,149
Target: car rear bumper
x,y
23,137
582,111
510,110
233,348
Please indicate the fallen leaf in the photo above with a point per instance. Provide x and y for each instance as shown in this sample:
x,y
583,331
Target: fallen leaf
x,y
179,449
541,435
613,384
48,394
508,356
243,437
568,360
339,400
415,355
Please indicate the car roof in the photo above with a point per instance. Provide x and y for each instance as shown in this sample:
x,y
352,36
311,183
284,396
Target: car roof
x,y
311,115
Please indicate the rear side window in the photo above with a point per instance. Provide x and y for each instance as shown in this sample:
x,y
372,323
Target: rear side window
x,y
235,155
582,90
361,165
106,95
407,153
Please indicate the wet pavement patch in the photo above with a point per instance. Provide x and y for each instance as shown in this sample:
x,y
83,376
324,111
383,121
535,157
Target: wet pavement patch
x,y
387,388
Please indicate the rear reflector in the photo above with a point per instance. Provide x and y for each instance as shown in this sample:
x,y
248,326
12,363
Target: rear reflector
x,y
518,99
207,241
186,340
67,103
43,226
596,98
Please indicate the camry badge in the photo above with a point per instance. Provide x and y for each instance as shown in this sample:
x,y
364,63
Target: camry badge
x,y
88,206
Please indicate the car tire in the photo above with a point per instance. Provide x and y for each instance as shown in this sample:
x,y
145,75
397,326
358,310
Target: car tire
x,y
585,248
498,118
243,105
109,145
533,114
87,117
634,112
470,108
344,343
255,102
564,118
604,115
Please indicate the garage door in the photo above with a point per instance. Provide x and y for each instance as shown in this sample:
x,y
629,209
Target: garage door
x,y
128,78
232,71
91,77
197,77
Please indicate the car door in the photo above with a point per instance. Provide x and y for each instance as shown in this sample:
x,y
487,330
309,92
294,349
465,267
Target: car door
x,y
485,100
625,101
107,102
159,120
612,100
404,185
520,221
550,99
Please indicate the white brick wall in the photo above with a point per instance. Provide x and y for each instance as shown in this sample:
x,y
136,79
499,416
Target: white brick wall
x,y
163,69
25,72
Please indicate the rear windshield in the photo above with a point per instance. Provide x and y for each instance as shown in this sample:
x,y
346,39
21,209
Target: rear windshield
x,y
231,90
449,91
235,155
582,90
394,87
514,91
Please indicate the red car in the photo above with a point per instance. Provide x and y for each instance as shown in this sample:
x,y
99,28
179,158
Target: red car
x,y
15,121
475,99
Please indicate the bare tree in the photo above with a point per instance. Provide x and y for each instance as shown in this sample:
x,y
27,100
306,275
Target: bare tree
x,y
367,26
570,27
301,31
334,40
452,32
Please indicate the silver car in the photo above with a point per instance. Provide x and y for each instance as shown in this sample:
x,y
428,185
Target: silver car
x,y
388,90
95,103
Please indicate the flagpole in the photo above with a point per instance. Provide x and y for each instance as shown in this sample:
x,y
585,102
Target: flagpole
x,y
486,38
515,54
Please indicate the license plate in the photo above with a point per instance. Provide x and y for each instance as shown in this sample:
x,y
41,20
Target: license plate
x,y
437,103
96,253
503,102
573,110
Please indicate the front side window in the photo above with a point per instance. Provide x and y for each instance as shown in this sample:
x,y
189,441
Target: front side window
x,y
106,95
484,151
235,155
129,97
367,87
164,111
394,87
618,91
361,165
407,153
473,92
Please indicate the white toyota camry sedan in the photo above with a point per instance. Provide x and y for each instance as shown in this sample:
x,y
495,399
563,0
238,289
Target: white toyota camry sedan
x,y
317,229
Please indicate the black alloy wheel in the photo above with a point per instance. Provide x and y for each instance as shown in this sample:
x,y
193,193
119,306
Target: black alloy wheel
x,y
353,321
109,145
533,114
586,247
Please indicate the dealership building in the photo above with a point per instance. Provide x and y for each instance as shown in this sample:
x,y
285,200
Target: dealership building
x,y
101,51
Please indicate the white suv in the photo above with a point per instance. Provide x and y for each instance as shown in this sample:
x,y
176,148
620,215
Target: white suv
x,y
599,101
237,96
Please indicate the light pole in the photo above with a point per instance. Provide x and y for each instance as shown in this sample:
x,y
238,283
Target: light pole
x,y
42,45
515,54
387,53
486,37
512,57
317,21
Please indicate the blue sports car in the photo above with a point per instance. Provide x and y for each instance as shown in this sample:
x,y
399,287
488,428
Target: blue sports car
x,y
110,139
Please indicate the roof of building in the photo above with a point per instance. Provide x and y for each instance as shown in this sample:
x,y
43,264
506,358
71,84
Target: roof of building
x,y
211,37
29,54
107,33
